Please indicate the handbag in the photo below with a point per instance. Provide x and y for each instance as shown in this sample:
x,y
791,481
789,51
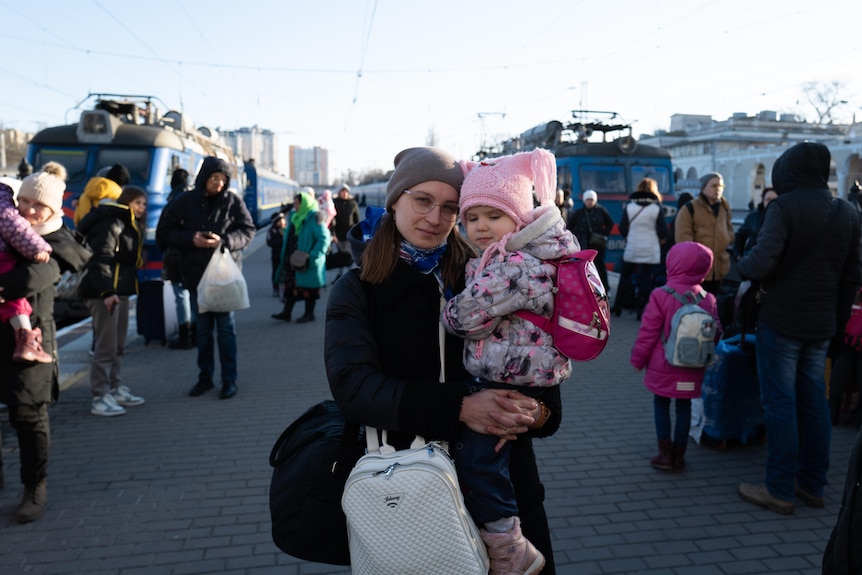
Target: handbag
x,y
405,511
222,287
299,260
310,461
598,241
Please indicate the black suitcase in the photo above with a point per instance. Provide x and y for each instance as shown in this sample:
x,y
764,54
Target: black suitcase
x,y
150,311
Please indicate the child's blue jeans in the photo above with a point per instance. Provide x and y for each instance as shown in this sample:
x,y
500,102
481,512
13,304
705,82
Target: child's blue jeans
x,y
662,419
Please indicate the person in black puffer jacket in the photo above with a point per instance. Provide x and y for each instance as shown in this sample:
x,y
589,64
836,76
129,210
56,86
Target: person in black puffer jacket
x,y
807,262
381,345
843,553
29,388
113,231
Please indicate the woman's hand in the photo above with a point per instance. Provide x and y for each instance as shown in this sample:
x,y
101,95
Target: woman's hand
x,y
1,297
499,412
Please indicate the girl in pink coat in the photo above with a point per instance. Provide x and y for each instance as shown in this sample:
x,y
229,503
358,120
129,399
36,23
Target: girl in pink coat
x,y
687,265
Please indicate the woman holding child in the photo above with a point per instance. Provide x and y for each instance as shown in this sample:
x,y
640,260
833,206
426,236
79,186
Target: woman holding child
x,y
382,328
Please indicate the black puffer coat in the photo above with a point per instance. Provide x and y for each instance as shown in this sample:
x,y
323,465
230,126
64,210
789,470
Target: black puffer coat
x,y
34,384
195,211
807,251
382,361
113,235
843,553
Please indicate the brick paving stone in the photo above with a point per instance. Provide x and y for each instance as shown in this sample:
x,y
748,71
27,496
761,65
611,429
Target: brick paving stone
x,y
180,485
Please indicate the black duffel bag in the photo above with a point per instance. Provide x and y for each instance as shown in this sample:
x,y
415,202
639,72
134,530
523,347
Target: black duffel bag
x,y
311,460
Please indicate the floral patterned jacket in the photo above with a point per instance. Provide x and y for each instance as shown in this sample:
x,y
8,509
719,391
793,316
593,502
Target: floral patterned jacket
x,y
500,346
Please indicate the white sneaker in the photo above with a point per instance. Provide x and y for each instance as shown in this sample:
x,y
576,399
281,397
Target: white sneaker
x,y
106,405
122,396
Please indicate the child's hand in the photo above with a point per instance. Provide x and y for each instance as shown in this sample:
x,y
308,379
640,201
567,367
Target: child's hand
x,y
637,368
500,444
42,257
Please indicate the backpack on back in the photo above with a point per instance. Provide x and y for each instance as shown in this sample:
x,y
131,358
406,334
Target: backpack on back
x,y
580,322
691,341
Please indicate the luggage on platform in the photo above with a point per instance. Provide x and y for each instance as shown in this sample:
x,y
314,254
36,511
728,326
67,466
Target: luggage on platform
x,y
731,392
156,312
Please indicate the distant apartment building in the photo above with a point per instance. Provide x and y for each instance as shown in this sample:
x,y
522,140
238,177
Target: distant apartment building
x,y
254,144
309,166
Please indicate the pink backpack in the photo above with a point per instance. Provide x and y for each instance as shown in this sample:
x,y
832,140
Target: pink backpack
x,y
580,323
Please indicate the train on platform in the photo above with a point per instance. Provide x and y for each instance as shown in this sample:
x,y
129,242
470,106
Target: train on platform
x,y
593,153
130,130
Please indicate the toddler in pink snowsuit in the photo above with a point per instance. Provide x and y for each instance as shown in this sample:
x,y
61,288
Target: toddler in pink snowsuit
x,y
17,236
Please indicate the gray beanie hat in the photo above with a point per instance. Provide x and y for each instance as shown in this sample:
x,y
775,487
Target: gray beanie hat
x,y
416,165
704,179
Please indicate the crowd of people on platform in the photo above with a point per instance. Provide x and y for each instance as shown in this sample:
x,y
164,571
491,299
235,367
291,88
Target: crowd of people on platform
x,y
800,245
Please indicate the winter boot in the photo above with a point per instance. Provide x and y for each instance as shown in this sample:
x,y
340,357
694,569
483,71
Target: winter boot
x,y
678,456
664,459
33,503
183,340
511,553
28,347
288,309
228,389
309,312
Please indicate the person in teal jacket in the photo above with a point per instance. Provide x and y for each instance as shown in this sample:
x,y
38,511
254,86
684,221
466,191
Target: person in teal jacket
x,y
307,233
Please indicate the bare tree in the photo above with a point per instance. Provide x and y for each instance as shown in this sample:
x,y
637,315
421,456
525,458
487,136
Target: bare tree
x,y
431,138
826,99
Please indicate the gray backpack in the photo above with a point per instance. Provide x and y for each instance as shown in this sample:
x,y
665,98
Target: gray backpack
x,y
691,341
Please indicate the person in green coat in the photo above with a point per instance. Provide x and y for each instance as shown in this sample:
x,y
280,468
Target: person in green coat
x,y
306,233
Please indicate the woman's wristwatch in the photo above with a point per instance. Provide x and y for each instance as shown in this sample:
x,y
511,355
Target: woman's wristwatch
x,y
543,416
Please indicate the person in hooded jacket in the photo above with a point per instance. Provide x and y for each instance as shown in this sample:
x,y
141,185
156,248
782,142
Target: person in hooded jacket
x,y
645,229
807,262
108,185
197,223
306,232
381,347
113,232
28,388
687,265
707,220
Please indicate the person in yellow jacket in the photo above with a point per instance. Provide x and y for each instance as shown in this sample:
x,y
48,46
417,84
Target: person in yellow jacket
x,y
107,186
707,221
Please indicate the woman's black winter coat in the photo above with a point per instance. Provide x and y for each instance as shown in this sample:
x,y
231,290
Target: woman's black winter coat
x,y
34,384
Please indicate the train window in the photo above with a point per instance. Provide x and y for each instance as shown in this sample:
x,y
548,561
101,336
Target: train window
x,y
137,161
658,173
74,160
603,179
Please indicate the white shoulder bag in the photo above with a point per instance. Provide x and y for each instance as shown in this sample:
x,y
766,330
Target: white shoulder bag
x,y
405,512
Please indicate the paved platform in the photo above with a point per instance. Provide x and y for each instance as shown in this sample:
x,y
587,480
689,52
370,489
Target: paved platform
x,y
180,485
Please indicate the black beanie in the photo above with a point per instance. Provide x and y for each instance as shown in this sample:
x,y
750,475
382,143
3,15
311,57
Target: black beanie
x,y
119,173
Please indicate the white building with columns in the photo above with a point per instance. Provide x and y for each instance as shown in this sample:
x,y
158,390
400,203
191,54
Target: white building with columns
x,y
744,148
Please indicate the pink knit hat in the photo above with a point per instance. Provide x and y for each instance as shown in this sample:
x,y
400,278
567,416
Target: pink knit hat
x,y
507,183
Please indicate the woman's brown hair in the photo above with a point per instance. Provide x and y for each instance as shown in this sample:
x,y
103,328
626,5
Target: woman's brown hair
x,y
651,186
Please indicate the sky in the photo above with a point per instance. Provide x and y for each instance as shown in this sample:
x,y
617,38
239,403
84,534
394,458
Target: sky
x,y
367,78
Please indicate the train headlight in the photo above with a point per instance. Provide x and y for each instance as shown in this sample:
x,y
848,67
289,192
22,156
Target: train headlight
x,y
96,127
627,144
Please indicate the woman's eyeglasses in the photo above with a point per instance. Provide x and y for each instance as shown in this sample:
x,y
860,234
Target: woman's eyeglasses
x,y
423,205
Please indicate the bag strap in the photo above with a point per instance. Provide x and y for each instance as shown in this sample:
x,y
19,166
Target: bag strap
x,y
540,321
381,444
686,298
637,214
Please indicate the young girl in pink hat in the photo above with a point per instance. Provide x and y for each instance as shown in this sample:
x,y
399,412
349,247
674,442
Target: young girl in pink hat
x,y
502,350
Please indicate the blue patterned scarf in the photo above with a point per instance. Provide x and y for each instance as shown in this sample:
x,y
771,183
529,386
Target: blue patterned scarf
x,y
425,261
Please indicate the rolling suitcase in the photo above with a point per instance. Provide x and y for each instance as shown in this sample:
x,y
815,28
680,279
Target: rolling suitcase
x,y
731,392
156,321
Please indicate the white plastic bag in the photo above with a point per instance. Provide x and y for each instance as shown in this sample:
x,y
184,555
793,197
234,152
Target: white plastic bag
x,y
222,287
